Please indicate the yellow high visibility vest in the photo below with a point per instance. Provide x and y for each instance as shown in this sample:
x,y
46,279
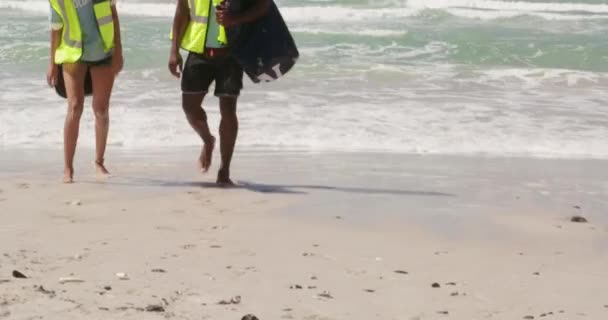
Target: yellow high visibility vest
x,y
195,37
70,49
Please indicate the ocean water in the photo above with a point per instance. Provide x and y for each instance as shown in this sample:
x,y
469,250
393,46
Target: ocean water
x,y
491,77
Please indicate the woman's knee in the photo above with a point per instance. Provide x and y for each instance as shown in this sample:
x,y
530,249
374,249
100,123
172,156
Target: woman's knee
x,y
75,106
101,110
102,114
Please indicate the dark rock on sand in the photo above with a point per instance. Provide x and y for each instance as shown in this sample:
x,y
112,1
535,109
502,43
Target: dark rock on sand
x,y
155,308
249,317
401,272
18,275
107,288
436,285
370,290
158,270
529,317
578,219
295,286
41,289
443,312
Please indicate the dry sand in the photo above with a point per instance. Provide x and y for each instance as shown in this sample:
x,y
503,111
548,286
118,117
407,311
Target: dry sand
x,y
307,236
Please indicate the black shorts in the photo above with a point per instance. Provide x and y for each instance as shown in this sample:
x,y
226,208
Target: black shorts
x,y
199,71
105,62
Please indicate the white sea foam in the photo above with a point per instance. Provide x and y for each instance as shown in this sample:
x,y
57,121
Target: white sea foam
x,y
481,9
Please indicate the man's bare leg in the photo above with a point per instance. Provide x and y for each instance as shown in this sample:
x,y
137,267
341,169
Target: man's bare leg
x,y
229,128
103,81
197,117
73,75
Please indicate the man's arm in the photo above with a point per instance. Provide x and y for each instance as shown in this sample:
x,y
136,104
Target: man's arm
x,y
255,12
180,22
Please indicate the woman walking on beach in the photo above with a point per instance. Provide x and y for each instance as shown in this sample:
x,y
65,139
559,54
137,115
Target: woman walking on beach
x,y
85,37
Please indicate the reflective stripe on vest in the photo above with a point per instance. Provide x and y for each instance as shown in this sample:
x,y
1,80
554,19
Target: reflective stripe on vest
x,y
70,48
195,36
105,22
67,24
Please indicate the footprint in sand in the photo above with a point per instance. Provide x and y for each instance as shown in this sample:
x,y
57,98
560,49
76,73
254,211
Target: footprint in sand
x,y
165,228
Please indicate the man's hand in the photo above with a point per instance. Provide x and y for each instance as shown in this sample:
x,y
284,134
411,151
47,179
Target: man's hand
x,y
175,64
117,62
52,74
224,17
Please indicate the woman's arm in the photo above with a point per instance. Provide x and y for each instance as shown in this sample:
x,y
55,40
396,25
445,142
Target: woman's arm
x,y
117,58
56,32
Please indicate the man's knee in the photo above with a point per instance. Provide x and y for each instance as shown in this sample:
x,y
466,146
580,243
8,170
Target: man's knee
x,y
228,107
192,105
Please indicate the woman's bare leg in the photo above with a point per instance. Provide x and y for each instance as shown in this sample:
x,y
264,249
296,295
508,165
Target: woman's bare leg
x,y
103,81
73,75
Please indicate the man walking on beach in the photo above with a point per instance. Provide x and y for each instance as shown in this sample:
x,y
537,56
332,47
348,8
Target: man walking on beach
x,y
198,27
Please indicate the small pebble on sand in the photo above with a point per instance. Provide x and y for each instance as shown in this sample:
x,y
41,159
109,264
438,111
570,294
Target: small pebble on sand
x,y
64,280
436,285
122,276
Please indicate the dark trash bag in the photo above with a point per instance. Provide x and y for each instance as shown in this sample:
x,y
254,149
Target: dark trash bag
x,y
60,85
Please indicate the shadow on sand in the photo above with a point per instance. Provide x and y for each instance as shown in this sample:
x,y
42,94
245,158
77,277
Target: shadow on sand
x,y
278,188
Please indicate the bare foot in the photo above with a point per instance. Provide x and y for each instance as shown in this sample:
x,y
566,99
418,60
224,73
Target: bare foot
x,y
102,172
223,179
68,175
206,156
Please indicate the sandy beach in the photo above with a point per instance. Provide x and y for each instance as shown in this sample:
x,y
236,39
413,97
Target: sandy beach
x,y
305,236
